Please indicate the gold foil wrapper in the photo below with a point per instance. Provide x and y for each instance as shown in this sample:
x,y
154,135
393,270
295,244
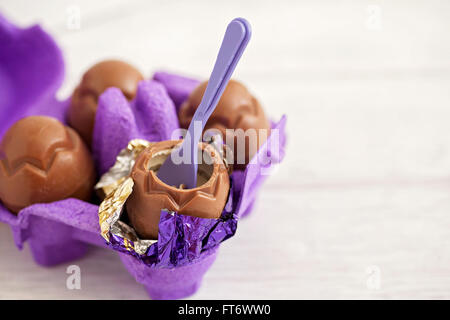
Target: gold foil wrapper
x,y
122,168
111,208
116,186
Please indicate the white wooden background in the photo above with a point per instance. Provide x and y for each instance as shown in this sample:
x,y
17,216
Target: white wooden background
x,y
364,192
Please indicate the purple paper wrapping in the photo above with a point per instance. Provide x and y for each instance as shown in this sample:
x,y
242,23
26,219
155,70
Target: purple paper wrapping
x,y
31,71
150,116
178,87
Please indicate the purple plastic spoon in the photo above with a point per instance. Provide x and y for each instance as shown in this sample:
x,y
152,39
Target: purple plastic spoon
x,y
179,168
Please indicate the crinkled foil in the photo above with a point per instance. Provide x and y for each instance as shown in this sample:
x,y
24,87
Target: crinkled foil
x,y
117,186
181,239
122,168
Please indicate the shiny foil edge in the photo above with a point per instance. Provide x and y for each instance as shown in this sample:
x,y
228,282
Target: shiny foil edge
x,y
121,168
116,185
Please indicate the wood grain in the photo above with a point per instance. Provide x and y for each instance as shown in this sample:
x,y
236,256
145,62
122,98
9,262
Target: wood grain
x,y
365,184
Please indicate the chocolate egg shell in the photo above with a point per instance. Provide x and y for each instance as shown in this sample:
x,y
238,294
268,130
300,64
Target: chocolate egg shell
x,y
83,105
41,160
237,109
150,195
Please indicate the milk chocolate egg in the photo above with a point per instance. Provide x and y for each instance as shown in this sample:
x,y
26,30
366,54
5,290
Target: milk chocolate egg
x,y
150,195
237,109
41,160
83,105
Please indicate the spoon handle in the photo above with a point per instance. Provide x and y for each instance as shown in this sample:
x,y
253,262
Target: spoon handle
x,y
235,40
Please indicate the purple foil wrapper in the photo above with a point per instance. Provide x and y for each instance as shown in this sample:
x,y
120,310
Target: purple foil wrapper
x,y
181,240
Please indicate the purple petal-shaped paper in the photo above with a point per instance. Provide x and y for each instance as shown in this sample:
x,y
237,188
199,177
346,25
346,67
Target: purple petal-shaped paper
x,y
114,127
31,70
57,232
269,155
177,86
151,116
155,113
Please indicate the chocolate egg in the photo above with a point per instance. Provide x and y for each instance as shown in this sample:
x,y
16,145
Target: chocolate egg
x,y
83,105
237,109
150,195
41,160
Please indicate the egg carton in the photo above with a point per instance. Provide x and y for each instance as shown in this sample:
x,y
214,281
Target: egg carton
x,y
31,71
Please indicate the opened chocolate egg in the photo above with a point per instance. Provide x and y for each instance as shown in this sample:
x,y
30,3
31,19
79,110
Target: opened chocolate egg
x,y
83,105
42,160
237,109
151,195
